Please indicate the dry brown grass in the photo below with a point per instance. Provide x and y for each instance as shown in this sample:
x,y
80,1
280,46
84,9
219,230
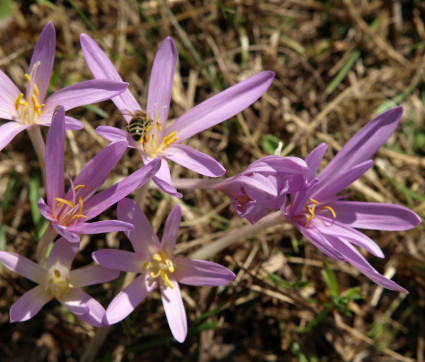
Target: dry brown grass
x,y
377,51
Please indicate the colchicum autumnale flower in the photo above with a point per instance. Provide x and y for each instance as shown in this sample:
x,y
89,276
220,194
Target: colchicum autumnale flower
x,y
57,280
33,109
69,213
157,265
328,221
162,141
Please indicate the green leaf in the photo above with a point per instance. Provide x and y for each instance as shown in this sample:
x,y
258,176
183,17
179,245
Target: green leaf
x,y
339,77
270,143
40,222
6,8
330,280
10,192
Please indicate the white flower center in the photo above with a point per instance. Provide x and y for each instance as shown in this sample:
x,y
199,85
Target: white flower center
x,y
160,266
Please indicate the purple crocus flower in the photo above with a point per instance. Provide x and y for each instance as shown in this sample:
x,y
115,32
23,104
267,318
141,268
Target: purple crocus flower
x,y
264,185
166,142
158,267
33,108
57,280
69,212
328,221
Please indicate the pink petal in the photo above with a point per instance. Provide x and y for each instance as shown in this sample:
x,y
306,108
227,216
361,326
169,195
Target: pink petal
x,y
127,300
339,183
375,216
9,130
87,92
314,158
171,229
29,304
362,146
44,52
99,227
8,94
163,180
120,260
194,160
142,237
201,272
174,310
85,307
352,255
63,252
92,275
70,236
23,266
55,148
161,81
102,68
112,134
222,106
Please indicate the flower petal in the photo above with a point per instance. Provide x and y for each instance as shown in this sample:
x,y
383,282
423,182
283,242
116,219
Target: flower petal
x,y
8,94
112,134
335,228
353,256
44,52
142,237
84,307
121,260
319,241
171,229
174,310
69,235
29,304
127,300
63,252
95,172
87,92
92,275
9,130
23,266
163,179
106,198
314,158
222,106
341,182
201,272
55,148
161,81
102,68
278,165
194,160
99,227
362,146
375,216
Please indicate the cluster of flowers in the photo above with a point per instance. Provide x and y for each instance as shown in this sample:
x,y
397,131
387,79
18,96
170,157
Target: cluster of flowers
x,y
286,187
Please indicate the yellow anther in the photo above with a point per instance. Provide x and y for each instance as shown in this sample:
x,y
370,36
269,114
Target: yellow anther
x,y
169,137
313,201
27,77
64,201
156,257
36,91
80,210
82,186
330,209
165,279
146,265
18,100
158,123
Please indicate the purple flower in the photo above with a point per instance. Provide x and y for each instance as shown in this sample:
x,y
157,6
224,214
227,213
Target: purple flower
x,y
328,221
166,142
70,212
34,108
264,185
57,280
158,267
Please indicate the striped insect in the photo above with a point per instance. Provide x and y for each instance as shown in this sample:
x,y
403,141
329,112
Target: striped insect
x,y
139,126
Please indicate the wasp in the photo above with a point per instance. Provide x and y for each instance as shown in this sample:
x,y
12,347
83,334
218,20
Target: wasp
x,y
139,125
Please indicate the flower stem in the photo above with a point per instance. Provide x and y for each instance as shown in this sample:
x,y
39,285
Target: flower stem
x,y
40,148
43,244
236,235
188,183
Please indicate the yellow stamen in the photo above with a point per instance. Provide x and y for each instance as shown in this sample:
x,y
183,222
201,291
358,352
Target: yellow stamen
x,y
314,201
330,209
158,123
169,137
146,265
64,201
36,91
165,279
27,77
80,210
82,186
18,100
